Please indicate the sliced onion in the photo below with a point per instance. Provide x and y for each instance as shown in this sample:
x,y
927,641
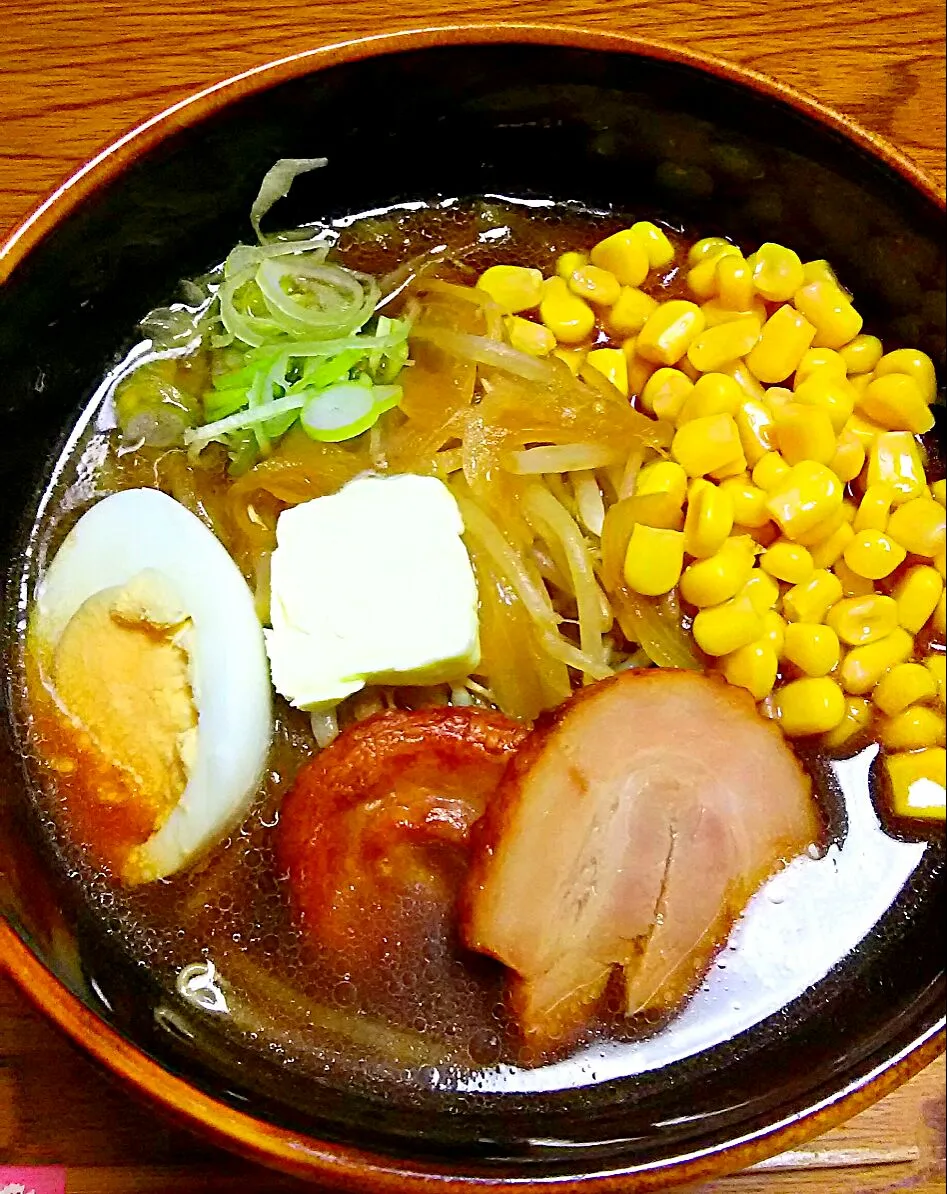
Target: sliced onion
x,y
485,351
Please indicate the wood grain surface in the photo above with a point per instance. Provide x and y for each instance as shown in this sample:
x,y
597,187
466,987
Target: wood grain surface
x,y
74,74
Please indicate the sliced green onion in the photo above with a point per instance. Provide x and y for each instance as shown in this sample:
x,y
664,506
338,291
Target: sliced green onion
x,y
246,418
339,413
329,301
386,397
330,348
220,403
276,183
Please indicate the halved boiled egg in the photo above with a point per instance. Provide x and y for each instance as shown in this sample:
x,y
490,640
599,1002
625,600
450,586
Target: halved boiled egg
x,y
150,658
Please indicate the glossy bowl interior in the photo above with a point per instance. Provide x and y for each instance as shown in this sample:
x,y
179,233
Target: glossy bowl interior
x,y
604,123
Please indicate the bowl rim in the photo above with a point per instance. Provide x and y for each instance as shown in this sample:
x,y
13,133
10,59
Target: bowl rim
x,y
347,1167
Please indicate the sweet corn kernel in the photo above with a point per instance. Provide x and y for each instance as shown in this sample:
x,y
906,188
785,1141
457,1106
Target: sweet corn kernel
x,y
833,395
769,471
939,617
913,729
665,393
940,564
706,444
752,667
717,312
709,519
874,509
746,381
864,666
688,369
723,629
819,271
860,383
639,370
656,245
777,272
804,433
624,255
721,576
894,459
937,666
827,307
906,684
569,318
749,501
914,364
702,278
853,585
918,786
529,337
812,648
783,341
735,283
630,312
572,358
705,247
864,430
568,263
774,630
861,620
939,492
513,288
849,458
762,591
713,394
663,476
788,561
896,403
655,510
826,361
825,529
735,467
777,396
812,599
765,535
756,427
920,526
861,354
808,494
715,347
873,554
613,365
916,595
654,560
669,331
855,723
595,285
813,705
828,551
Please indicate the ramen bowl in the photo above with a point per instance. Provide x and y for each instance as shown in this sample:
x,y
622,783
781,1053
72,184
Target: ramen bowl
x,y
530,114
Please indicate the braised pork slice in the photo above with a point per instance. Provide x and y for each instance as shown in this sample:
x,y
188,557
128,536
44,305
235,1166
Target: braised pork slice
x,y
386,812
629,832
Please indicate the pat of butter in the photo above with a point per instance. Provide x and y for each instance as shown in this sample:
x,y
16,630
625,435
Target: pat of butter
x,y
371,585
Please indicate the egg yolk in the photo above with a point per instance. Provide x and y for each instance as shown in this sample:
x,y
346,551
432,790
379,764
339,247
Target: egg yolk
x,y
121,671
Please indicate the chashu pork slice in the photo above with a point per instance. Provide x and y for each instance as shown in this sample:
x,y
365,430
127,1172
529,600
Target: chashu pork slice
x,y
629,832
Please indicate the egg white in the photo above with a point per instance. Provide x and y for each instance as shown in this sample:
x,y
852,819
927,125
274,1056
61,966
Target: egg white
x,y
118,538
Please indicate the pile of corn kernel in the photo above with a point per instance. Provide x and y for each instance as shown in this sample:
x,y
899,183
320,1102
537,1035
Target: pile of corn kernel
x,y
798,524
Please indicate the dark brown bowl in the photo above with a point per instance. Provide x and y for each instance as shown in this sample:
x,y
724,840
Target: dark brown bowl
x,y
605,121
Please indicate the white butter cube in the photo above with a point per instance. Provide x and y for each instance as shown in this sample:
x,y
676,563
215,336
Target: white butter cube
x,y
372,584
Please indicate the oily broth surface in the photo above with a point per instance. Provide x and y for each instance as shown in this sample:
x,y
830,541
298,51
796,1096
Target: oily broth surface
x,y
433,1017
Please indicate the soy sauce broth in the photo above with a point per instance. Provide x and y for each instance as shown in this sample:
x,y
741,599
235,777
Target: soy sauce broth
x,y
228,972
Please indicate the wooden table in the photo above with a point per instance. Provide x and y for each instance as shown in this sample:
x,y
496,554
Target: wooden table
x,y
76,73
